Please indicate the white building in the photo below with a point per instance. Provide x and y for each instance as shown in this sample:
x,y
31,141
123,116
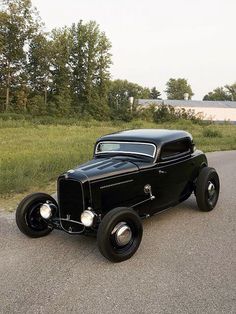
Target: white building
x,y
211,110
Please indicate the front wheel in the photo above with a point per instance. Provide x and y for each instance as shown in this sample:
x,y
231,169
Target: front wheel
x,y
28,218
207,189
119,234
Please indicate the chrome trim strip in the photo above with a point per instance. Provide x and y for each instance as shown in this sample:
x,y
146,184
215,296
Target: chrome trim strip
x,y
90,191
114,184
126,152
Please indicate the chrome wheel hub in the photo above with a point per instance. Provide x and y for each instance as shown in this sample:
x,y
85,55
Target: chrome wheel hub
x,y
211,189
122,234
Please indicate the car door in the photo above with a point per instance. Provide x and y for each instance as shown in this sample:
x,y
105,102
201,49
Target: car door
x,y
171,181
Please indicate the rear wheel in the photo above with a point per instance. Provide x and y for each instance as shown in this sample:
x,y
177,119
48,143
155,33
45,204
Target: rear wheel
x,y
28,218
207,189
119,234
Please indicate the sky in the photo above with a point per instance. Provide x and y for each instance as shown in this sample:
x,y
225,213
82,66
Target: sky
x,y
154,40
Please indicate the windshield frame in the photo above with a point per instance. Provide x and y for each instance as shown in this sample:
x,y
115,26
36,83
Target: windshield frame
x,y
126,152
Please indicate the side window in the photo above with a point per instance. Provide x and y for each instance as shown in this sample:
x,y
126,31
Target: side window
x,y
173,149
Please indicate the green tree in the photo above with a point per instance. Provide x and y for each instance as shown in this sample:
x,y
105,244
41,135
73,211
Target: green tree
x,y
77,65
18,21
90,61
231,91
217,94
120,92
60,71
39,61
176,88
101,108
155,94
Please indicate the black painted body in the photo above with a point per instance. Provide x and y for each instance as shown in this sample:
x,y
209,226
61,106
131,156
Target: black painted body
x,y
110,181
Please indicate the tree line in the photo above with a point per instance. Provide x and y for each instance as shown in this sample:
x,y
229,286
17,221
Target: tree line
x,y
62,72
225,93
65,71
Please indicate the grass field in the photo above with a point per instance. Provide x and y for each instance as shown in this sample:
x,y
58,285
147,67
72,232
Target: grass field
x,y
33,155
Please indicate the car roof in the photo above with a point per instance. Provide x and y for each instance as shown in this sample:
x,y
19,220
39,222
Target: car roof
x,y
156,136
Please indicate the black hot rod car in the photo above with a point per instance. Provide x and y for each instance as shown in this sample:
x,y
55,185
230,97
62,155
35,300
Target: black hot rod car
x,y
133,174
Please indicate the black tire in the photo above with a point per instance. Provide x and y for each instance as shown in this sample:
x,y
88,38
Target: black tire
x,y
28,218
206,197
106,239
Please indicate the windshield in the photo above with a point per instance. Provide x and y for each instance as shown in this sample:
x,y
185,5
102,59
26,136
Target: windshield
x,y
146,149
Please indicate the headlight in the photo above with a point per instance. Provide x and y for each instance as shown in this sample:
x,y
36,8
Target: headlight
x,y
87,218
45,211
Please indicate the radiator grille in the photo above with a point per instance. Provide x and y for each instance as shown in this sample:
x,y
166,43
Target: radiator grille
x,y
70,199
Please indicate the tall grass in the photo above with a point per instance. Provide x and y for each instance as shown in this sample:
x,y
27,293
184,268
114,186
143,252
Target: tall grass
x,y
33,154
209,132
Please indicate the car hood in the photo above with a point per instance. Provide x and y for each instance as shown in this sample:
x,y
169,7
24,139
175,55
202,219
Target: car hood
x,y
100,168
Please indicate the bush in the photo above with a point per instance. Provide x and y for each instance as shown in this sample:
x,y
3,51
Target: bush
x,y
12,116
136,124
145,114
36,106
165,113
209,132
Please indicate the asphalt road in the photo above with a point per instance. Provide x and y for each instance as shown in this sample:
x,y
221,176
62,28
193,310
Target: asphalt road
x,y
186,264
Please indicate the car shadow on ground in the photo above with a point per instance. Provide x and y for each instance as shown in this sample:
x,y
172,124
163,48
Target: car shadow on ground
x,y
186,207
59,243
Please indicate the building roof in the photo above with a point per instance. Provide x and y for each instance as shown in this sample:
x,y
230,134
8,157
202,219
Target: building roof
x,y
188,103
156,136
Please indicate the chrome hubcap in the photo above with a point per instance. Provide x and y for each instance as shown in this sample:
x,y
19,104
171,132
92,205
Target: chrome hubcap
x,y
122,233
211,189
